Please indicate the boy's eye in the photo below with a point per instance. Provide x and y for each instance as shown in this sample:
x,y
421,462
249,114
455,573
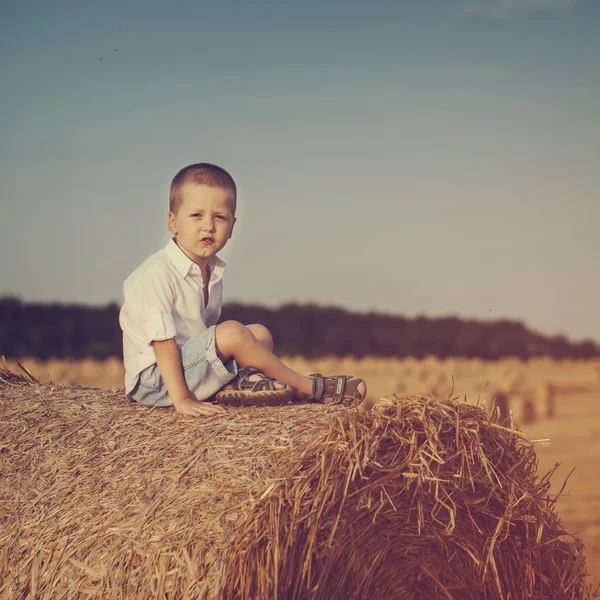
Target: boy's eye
x,y
221,217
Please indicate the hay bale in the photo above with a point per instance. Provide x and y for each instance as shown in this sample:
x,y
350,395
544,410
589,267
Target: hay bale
x,y
415,499
529,410
551,401
499,407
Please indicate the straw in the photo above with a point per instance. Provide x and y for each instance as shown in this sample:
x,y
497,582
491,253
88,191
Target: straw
x,y
418,498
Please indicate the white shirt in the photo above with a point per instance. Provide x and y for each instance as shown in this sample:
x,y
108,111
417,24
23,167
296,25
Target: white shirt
x,y
164,299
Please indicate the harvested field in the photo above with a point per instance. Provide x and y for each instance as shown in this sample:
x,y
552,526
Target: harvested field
x,y
416,498
460,377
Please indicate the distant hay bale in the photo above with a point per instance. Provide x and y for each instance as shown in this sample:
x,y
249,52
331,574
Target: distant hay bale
x,y
415,499
408,369
529,410
550,401
499,407
398,384
424,374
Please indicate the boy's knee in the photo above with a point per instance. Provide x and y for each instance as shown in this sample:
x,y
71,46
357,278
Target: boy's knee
x,y
230,335
262,334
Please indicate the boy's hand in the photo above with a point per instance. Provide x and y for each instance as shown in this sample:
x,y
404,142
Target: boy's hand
x,y
188,407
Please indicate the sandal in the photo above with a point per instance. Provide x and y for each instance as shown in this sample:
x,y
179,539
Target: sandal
x,y
248,392
337,389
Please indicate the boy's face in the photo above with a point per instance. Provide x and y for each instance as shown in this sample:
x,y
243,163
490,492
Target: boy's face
x,y
204,221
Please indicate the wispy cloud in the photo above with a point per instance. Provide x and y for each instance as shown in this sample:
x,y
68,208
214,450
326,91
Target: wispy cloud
x,y
509,9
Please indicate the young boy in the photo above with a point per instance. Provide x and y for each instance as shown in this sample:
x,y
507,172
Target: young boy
x,y
175,354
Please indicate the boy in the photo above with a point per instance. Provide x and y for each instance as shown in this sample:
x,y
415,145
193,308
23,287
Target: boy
x,y
174,352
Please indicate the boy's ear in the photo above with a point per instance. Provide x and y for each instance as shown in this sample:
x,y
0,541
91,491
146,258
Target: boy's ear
x,y
232,226
172,223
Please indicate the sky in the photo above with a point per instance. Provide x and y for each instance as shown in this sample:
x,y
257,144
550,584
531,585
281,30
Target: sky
x,y
422,157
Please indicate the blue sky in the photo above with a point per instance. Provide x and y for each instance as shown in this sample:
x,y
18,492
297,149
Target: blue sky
x,y
428,157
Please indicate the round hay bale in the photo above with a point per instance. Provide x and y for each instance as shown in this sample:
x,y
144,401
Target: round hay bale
x,y
551,393
415,499
499,406
528,410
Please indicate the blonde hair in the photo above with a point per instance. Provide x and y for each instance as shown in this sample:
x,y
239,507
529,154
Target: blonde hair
x,y
201,174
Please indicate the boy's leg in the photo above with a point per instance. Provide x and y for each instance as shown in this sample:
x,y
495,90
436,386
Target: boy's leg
x,y
235,340
263,335
238,341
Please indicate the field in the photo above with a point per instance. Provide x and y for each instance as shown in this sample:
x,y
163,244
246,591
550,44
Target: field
x,y
550,400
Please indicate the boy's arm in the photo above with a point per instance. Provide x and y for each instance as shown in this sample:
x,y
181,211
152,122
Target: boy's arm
x,y
169,366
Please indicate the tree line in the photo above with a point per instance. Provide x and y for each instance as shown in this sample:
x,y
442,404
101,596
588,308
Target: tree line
x,y
75,331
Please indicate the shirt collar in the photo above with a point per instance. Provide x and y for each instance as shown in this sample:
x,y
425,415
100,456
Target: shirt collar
x,y
184,264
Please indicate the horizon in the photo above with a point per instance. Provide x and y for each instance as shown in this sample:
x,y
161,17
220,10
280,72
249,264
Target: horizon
x,y
317,306
433,159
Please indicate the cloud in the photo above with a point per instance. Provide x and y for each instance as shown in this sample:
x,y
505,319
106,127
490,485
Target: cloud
x,y
509,9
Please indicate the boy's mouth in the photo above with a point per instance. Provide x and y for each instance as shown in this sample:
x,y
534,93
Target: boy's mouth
x,y
207,240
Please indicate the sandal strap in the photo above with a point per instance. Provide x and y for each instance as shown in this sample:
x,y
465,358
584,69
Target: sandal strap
x,y
242,376
244,383
318,388
329,387
245,371
338,392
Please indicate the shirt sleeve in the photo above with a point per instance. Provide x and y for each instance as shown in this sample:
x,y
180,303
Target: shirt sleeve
x,y
155,296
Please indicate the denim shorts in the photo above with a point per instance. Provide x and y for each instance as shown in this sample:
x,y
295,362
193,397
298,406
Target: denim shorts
x,y
204,373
